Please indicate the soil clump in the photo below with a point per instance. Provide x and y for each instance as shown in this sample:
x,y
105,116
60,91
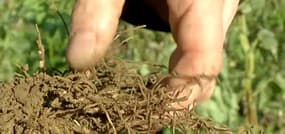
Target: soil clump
x,y
115,100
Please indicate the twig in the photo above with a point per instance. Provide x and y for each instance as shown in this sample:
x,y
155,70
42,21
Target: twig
x,y
108,118
132,29
63,21
24,69
174,122
41,50
127,30
61,18
126,40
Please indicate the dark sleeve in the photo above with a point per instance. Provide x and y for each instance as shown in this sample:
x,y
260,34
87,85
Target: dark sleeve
x,y
137,12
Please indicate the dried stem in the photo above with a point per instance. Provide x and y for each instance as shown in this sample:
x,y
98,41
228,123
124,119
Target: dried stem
x,y
109,119
127,30
41,50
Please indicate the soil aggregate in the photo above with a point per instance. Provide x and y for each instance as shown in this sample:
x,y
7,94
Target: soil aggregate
x,y
112,98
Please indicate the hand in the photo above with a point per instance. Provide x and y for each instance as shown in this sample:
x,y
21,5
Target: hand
x,y
193,89
93,27
198,27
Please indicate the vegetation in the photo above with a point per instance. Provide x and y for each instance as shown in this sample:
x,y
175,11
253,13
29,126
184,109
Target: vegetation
x,y
251,90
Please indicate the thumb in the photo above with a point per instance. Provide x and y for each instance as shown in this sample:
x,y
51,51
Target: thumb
x,y
81,53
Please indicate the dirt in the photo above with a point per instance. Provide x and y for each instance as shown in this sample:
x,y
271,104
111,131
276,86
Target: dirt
x,y
112,99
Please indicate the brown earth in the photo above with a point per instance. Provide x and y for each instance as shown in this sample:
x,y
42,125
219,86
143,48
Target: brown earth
x,y
116,99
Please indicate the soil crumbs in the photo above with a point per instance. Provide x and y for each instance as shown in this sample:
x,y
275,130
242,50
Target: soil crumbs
x,y
115,100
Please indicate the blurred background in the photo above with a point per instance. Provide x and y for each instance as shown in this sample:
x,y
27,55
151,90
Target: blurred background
x,y
251,88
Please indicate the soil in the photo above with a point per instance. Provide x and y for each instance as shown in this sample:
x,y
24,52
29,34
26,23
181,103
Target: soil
x,y
113,98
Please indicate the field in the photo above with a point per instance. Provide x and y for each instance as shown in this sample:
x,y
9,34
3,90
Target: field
x,y
250,94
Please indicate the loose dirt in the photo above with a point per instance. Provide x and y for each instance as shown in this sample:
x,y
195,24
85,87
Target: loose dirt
x,y
114,98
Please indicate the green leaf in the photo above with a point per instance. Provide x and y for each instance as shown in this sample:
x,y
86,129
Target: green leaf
x,y
268,42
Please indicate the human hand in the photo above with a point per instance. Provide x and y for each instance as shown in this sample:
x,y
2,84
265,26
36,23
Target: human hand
x,y
198,27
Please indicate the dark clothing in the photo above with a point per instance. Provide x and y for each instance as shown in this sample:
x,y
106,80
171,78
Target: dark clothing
x,y
138,12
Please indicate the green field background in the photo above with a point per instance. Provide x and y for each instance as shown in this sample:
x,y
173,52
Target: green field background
x,y
251,88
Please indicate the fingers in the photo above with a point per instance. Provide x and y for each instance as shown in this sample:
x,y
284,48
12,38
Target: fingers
x,y
199,29
229,11
94,23
196,89
198,32
188,93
